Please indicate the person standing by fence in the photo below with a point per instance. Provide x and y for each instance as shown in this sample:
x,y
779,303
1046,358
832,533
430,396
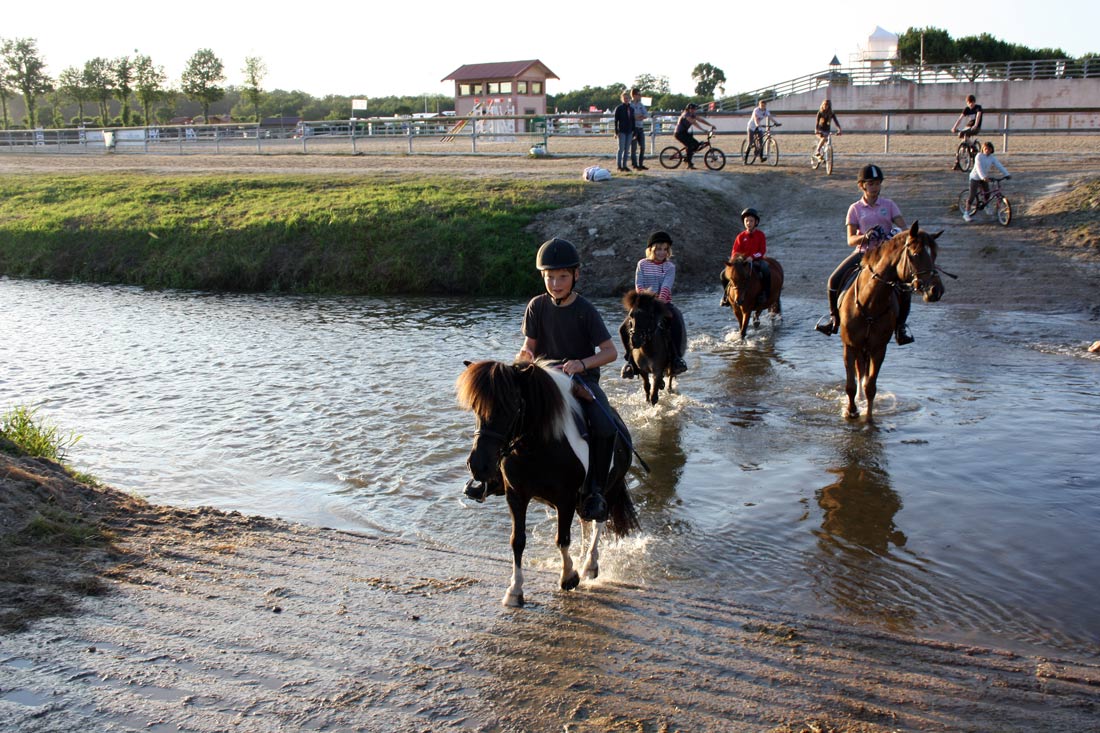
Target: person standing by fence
x,y
624,131
637,145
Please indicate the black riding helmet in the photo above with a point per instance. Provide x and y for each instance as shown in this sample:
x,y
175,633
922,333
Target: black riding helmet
x,y
557,254
751,212
659,237
870,172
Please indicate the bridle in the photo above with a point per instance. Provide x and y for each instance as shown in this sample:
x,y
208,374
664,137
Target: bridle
x,y
914,283
647,335
507,440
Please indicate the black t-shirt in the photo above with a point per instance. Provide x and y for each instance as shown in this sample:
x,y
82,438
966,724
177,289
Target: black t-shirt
x,y
972,114
566,332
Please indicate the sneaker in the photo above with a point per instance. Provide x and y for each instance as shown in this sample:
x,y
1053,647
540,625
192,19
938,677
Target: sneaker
x,y
903,336
691,166
593,508
642,168
826,325
679,366
966,216
628,372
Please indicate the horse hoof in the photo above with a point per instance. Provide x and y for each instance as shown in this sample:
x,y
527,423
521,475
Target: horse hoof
x,y
591,572
512,600
571,582
851,414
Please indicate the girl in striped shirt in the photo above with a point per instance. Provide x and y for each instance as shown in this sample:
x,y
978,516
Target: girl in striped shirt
x,y
656,274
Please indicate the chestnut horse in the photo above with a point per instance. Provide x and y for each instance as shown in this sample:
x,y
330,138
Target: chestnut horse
x,y
869,308
744,286
649,339
528,445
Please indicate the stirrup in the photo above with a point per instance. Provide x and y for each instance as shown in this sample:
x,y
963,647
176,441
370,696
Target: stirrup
x,y
593,507
826,325
903,337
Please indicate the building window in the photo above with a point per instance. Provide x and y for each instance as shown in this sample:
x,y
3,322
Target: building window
x,y
521,87
477,88
463,90
536,87
506,87
494,87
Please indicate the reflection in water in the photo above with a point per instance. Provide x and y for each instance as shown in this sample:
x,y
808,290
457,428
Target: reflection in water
x,y
749,379
659,444
857,530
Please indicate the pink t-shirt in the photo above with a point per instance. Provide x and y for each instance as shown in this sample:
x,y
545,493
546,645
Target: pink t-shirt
x,y
866,218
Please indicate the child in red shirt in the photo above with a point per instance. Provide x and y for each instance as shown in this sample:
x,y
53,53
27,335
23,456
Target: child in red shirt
x,y
753,245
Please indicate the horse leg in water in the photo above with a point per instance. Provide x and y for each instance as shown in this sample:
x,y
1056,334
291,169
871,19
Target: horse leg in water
x,y
850,372
648,386
569,578
517,505
870,379
742,314
590,568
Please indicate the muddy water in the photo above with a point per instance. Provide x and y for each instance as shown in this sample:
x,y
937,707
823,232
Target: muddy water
x,y
967,512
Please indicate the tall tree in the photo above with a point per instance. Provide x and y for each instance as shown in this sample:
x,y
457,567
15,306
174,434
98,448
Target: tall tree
x,y
6,89
97,78
254,72
122,71
149,82
652,86
200,79
708,78
70,83
27,72
939,47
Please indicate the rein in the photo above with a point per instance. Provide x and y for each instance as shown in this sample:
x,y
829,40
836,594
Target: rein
x,y
508,441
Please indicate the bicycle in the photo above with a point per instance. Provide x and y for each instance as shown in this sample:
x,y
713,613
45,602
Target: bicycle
x,y
1002,208
825,156
966,152
713,158
763,146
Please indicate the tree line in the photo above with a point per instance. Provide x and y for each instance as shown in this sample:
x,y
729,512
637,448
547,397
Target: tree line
x,y
935,46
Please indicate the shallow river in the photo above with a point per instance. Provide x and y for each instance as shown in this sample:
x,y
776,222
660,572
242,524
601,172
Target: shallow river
x,y
968,512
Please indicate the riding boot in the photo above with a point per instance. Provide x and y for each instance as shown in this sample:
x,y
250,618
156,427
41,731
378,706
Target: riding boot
x,y
833,325
593,506
679,366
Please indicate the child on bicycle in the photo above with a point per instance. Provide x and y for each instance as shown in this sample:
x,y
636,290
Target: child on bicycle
x,y
823,125
563,326
870,222
688,119
984,163
655,274
752,244
972,113
757,122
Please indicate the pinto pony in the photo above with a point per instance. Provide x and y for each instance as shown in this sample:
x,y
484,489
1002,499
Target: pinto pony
x,y
528,445
744,285
869,308
649,340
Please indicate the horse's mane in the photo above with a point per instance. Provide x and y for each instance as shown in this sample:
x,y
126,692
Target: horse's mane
x,y
486,386
644,300
890,250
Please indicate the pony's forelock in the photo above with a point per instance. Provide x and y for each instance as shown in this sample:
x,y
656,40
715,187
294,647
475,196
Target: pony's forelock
x,y
482,386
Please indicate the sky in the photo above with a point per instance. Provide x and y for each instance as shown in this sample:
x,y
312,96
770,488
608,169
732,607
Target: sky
x,y
406,48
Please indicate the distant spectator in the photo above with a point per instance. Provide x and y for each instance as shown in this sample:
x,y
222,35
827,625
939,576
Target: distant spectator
x,y
637,145
688,119
624,130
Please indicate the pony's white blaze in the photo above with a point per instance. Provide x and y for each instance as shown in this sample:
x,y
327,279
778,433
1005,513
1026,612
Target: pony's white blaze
x,y
565,422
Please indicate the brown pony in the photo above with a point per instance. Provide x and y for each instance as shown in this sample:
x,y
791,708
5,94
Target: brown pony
x,y
743,286
869,308
528,445
649,339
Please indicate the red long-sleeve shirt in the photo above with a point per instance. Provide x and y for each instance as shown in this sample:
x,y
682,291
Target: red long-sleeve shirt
x,y
752,245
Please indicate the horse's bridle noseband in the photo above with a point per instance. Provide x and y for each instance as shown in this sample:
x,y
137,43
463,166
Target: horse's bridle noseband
x,y
508,440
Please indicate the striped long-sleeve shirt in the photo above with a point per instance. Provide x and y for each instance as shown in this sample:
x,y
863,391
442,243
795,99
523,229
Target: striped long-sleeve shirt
x,y
656,277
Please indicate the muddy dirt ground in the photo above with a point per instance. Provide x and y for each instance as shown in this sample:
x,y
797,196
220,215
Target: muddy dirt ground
x,y
197,620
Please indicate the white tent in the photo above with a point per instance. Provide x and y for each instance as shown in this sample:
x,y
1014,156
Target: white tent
x,y
882,45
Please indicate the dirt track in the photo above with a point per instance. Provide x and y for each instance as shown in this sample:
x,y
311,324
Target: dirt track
x,y
220,622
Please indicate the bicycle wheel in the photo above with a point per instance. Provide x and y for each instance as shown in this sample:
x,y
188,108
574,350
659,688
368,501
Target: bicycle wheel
x,y
771,151
671,157
962,157
1003,210
715,159
815,161
963,196
828,159
748,154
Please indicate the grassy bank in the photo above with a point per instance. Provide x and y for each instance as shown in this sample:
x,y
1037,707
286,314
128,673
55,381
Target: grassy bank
x,y
288,233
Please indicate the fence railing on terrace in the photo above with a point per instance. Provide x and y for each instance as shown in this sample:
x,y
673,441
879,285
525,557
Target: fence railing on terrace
x,y
927,74
572,134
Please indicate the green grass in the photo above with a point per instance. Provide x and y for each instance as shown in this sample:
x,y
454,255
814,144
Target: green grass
x,y
34,437
277,233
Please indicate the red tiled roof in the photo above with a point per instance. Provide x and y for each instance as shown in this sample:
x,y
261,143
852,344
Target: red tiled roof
x,y
499,70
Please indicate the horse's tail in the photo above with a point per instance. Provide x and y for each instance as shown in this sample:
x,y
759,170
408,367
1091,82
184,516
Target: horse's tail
x,y
622,516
